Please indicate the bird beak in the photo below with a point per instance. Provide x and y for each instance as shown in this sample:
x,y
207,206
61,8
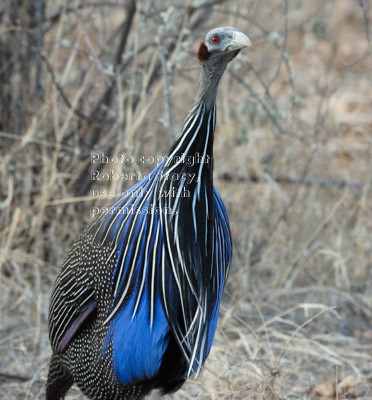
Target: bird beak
x,y
239,41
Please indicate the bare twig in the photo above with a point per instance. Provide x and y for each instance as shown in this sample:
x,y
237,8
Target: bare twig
x,y
60,90
367,21
274,118
13,377
167,90
40,17
284,56
106,99
36,141
288,277
69,9
131,10
266,88
256,254
307,322
288,180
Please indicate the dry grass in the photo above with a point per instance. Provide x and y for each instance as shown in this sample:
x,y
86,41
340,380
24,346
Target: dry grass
x,y
293,164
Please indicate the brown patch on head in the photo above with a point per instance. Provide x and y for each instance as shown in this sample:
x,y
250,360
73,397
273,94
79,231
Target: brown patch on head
x,y
203,53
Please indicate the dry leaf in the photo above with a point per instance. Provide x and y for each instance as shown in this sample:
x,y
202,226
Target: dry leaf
x,y
326,389
366,334
348,383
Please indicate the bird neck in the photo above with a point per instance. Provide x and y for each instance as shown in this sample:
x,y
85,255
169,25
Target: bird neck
x,y
209,79
195,143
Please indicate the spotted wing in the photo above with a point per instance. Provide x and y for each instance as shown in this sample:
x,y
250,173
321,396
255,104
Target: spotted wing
x,y
73,300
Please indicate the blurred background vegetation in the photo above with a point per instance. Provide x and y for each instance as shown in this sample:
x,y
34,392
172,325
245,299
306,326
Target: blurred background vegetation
x,y
293,154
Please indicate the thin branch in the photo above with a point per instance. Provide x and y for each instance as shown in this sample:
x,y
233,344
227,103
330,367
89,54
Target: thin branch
x,y
12,377
257,253
269,112
284,56
60,90
167,90
289,275
36,141
288,180
264,85
69,9
126,26
367,20
131,10
39,42
189,9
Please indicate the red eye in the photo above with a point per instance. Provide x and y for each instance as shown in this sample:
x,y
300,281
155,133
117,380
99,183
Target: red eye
x,y
215,39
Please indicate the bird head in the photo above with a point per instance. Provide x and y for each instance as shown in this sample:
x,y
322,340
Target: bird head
x,y
221,45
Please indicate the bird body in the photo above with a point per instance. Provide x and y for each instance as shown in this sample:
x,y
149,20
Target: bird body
x,y
135,305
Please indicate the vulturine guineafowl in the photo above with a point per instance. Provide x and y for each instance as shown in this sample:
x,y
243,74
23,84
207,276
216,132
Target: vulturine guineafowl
x,y
136,302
